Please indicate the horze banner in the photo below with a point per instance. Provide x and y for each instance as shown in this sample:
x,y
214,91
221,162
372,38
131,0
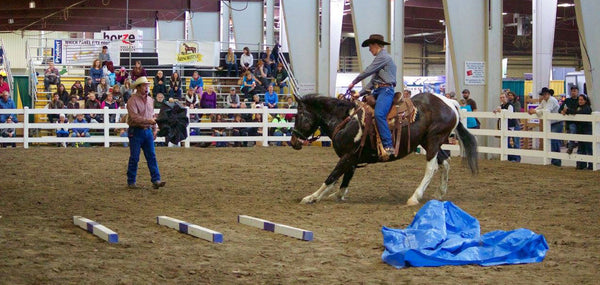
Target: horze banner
x,y
188,53
126,40
77,52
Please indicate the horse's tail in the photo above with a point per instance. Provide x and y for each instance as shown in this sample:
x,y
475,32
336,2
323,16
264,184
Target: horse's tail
x,y
468,147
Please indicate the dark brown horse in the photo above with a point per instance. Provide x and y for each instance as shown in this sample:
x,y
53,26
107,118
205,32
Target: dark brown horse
x,y
437,118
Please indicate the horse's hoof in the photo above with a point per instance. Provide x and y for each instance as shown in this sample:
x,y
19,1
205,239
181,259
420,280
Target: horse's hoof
x,y
412,202
307,200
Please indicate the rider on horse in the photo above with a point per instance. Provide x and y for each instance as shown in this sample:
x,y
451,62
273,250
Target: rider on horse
x,y
382,85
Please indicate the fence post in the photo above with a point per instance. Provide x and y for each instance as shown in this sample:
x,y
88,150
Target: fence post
x,y
503,136
187,140
265,122
546,141
26,127
106,127
596,142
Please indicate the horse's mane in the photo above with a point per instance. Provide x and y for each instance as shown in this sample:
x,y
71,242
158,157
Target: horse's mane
x,y
326,103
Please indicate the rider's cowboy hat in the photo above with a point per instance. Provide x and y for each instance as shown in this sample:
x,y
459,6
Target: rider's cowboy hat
x,y
140,80
374,39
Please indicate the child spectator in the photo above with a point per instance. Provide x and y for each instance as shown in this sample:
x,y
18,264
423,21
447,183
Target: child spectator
x,y
111,104
137,71
88,87
56,103
63,95
248,85
80,132
126,90
102,89
61,130
121,75
93,103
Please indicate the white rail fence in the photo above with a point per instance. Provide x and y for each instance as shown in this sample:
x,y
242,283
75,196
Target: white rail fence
x,y
109,134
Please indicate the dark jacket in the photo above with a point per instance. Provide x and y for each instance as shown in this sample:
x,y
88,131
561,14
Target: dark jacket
x,y
584,128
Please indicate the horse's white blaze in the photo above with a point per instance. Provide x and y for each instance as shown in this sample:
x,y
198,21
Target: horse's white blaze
x,y
430,169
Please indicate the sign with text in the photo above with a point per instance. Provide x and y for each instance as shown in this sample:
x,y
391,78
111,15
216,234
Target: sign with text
x,y
474,73
77,52
127,40
188,53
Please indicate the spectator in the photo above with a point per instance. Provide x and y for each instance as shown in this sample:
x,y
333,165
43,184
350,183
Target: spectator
x,y
246,60
256,103
467,96
102,89
88,87
233,99
3,85
80,132
196,83
290,104
549,104
260,73
93,103
248,85
175,91
77,90
514,99
7,103
51,76
63,95
271,98
126,90
96,73
56,103
61,130
73,104
137,71
471,122
116,92
219,132
239,131
209,99
111,104
584,128
231,63
406,93
281,77
256,131
570,107
268,59
194,118
121,75
8,132
191,98
512,125
160,84
160,99
280,131
104,56
109,74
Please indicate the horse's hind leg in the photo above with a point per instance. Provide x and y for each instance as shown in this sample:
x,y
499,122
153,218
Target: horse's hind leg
x,y
346,163
443,161
340,194
430,169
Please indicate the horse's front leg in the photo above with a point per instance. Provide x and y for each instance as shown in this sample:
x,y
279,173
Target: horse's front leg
x,y
340,194
346,163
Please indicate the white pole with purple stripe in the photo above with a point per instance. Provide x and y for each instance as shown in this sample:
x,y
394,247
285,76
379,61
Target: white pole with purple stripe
x,y
96,229
190,229
276,228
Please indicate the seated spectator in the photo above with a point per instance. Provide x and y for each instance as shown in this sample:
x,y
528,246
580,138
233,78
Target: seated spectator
x,y
261,75
63,94
209,99
219,132
248,85
7,103
281,131
126,90
102,89
281,77
239,131
160,99
256,131
3,85
256,103
93,103
246,60
137,71
51,76
80,132
584,128
73,104
290,104
194,118
175,91
104,56
8,132
111,103
233,99
191,98
116,93
96,73
231,63
269,60
77,90
56,103
108,74
61,130
196,83
271,98
160,84
88,87
121,75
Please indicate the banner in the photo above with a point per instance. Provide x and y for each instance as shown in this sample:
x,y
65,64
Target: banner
x,y
77,52
188,53
431,84
126,40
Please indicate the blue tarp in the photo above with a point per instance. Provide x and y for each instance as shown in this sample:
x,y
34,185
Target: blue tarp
x,y
443,234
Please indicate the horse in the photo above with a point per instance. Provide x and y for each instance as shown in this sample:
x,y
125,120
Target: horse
x,y
437,117
188,48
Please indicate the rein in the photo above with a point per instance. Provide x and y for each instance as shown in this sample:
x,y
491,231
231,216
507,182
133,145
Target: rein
x,y
304,138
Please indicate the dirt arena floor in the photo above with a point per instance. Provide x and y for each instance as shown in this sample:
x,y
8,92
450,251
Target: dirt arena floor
x,y
41,190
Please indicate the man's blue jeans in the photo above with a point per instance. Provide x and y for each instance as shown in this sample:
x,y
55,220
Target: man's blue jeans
x,y
572,129
385,98
555,144
144,139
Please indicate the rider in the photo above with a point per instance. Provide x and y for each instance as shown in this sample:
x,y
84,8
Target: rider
x,y
382,83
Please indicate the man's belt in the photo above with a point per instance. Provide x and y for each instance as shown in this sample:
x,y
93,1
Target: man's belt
x,y
384,85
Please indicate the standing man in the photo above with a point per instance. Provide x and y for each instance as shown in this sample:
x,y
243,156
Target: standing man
x,y
550,104
467,96
142,132
569,107
382,85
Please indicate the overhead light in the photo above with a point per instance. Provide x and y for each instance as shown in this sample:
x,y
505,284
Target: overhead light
x,y
504,13
11,21
31,4
565,5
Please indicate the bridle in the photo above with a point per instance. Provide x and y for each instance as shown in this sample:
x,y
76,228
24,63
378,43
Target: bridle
x,y
304,138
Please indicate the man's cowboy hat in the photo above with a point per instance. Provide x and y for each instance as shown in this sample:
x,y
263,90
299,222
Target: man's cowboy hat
x,y
140,80
374,39
545,90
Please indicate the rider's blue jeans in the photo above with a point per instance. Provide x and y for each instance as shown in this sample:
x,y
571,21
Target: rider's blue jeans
x,y
385,98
